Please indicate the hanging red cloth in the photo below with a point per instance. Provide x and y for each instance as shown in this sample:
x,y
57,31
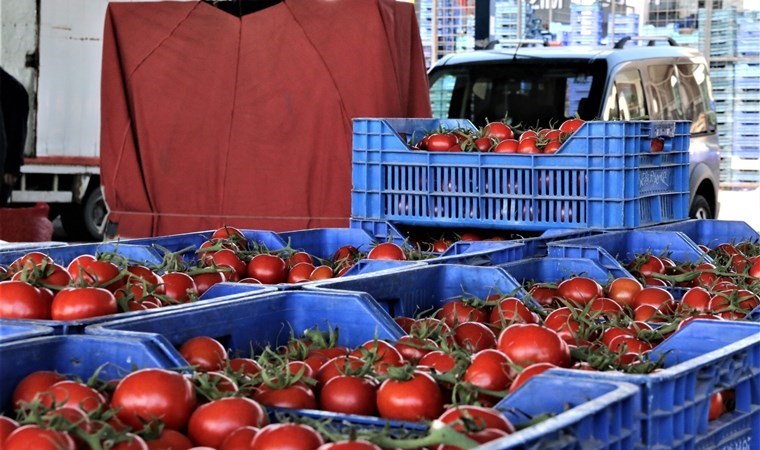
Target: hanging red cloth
x,y
211,119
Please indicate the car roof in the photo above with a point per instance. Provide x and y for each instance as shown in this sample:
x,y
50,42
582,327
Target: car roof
x,y
611,55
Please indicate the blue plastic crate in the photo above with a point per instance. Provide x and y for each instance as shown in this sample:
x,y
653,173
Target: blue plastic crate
x,y
256,322
603,177
69,327
537,246
10,330
412,291
63,255
24,246
587,415
615,249
702,358
77,355
552,270
713,232
177,242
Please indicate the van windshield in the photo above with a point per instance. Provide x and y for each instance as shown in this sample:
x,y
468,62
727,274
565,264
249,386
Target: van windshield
x,y
529,92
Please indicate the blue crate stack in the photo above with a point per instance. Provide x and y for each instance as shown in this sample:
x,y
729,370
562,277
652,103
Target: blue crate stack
x,y
622,26
722,31
722,76
748,39
506,16
585,24
746,123
455,27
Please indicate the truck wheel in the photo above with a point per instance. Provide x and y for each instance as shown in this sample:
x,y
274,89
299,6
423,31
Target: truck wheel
x,y
85,222
700,208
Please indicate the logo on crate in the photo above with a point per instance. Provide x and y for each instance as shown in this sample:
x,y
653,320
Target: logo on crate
x,y
744,444
655,180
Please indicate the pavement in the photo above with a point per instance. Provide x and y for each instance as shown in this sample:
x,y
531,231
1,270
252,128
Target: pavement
x,y
741,205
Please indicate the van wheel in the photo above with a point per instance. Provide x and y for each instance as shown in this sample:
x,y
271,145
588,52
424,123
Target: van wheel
x,y
700,208
86,222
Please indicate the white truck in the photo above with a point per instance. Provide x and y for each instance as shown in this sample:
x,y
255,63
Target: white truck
x,y
54,48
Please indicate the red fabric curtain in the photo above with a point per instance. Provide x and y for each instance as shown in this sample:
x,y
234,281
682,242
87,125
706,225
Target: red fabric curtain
x,y
211,119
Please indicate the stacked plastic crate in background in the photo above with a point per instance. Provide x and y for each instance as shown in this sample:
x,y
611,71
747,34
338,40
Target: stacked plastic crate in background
x,y
509,21
621,26
585,24
455,29
722,32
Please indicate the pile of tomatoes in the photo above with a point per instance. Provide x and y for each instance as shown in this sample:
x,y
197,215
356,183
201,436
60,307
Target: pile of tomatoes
x,y
498,137
36,287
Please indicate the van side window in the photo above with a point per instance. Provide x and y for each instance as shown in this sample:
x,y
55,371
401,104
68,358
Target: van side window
x,y
665,95
695,89
440,95
626,99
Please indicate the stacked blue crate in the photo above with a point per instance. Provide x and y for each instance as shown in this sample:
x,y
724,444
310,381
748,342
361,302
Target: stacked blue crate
x,y
454,27
722,76
576,90
722,31
620,26
748,35
506,17
586,24
746,122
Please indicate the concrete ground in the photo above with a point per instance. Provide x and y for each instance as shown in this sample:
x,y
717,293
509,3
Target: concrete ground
x,y
741,205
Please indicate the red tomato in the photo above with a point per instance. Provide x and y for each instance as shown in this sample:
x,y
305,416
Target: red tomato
x,y
20,300
179,286
457,311
55,275
7,426
527,146
570,126
544,296
336,367
474,336
98,273
552,147
651,265
245,366
231,233
483,144
32,437
29,261
301,272
439,360
413,348
170,440
350,395
602,306
498,130
530,134
83,303
204,281
415,399
290,436
387,251
490,369
441,142
479,417
33,384
74,395
653,296
623,290
528,373
134,443
298,396
228,258
269,269
240,439
717,407
141,274
321,273
386,354
695,299
506,146
212,422
357,444
149,394
345,253
579,290
562,321
511,310
527,344
628,344
204,353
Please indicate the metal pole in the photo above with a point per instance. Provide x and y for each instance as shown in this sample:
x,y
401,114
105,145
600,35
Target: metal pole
x,y
708,29
611,20
519,19
434,33
482,23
